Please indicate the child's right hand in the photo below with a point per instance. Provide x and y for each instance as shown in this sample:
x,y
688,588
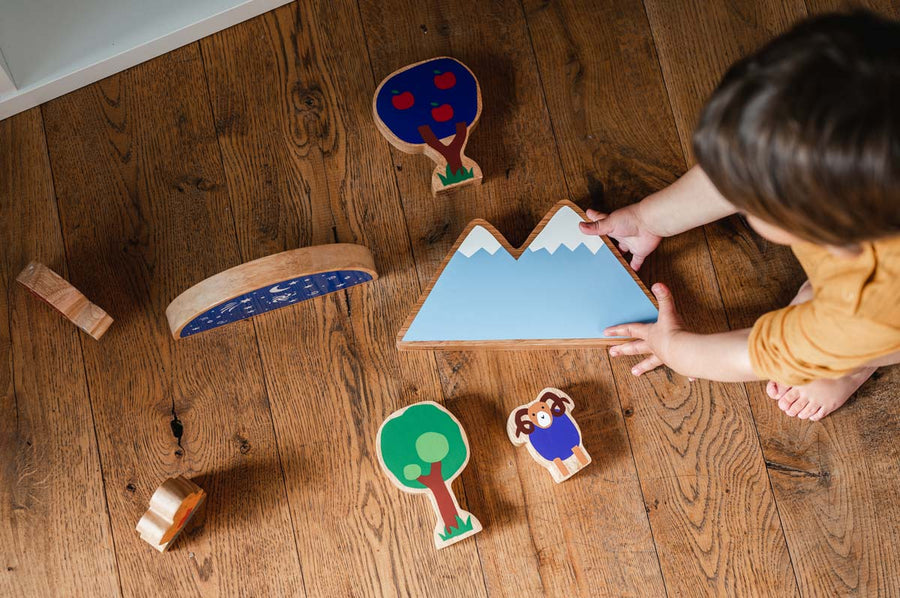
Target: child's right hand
x,y
627,228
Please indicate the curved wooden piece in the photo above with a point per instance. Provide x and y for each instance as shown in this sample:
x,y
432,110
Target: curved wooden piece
x,y
556,235
454,168
64,298
560,466
269,283
171,507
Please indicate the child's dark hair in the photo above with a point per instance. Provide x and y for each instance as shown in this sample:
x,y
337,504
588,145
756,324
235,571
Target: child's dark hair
x,y
805,132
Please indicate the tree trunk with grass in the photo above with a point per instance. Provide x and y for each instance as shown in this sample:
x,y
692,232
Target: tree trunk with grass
x,y
452,153
434,481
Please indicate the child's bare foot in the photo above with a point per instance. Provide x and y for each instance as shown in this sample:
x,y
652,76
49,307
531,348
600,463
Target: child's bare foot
x,y
817,399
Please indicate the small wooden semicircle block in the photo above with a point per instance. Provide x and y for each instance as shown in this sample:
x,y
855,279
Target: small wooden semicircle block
x,y
431,108
267,284
57,292
171,507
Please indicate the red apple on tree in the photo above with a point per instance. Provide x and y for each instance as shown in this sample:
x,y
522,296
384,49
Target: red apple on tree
x,y
402,101
441,113
444,80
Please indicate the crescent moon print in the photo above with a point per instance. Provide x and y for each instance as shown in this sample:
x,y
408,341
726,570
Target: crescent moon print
x,y
266,299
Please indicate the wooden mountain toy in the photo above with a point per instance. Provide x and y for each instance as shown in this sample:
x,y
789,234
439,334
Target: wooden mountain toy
x,y
64,298
560,289
171,507
431,108
267,284
552,435
422,449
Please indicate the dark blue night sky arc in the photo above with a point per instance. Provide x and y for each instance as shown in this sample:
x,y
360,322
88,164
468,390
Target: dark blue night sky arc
x,y
273,297
419,81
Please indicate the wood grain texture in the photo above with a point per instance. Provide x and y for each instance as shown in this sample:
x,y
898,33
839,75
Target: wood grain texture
x,y
833,501
538,538
53,289
145,214
54,526
701,468
291,93
515,252
264,132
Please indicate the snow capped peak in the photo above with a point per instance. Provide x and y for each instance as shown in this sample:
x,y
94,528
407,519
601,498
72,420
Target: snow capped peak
x,y
479,238
563,230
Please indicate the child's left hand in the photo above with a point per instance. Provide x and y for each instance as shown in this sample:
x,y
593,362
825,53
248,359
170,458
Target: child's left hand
x,y
655,339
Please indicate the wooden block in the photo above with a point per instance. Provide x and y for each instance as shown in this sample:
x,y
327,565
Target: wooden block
x,y
431,108
267,284
560,289
171,507
552,435
422,449
64,298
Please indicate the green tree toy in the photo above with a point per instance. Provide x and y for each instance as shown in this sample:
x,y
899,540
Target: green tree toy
x,y
423,448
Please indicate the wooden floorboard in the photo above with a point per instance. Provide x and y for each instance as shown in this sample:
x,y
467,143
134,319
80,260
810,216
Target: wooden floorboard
x,y
145,213
833,480
589,535
54,525
701,469
260,139
291,94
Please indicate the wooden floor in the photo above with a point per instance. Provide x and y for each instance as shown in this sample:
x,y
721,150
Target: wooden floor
x,y
260,139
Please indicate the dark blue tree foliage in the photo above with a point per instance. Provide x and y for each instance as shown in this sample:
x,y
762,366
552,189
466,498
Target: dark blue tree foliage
x,y
419,81
272,297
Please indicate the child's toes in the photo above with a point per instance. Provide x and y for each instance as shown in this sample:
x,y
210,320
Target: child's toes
x,y
819,414
808,411
788,399
797,406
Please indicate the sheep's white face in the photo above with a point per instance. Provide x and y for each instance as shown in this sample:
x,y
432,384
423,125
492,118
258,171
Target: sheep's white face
x,y
544,419
539,413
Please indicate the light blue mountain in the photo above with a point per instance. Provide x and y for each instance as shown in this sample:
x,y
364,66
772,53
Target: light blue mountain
x,y
551,292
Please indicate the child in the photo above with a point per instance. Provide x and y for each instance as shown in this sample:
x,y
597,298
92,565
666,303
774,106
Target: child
x,y
802,138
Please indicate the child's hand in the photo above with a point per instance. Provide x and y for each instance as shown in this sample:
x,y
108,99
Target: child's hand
x,y
655,339
628,228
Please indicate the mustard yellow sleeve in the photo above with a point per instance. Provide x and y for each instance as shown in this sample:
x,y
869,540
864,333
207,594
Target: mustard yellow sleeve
x,y
806,342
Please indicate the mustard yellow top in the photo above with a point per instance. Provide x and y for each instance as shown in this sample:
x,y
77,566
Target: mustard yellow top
x,y
853,318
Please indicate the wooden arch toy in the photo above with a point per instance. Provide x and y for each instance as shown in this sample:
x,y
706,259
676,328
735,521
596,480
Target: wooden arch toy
x,y
171,507
552,435
267,284
430,108
56,291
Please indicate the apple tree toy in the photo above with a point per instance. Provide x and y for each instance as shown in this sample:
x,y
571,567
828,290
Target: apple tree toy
x,y
422,449
430,107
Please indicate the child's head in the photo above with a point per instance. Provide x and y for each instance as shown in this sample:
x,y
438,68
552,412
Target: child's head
x,y
804,134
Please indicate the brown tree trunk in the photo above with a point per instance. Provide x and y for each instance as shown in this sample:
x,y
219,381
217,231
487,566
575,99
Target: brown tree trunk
x,y
452,153
434,481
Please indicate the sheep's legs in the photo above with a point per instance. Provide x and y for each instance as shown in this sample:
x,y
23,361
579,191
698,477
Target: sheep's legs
x,y
580,455
563,470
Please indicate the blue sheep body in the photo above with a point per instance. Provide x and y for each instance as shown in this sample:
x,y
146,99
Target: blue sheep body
x,y
557,441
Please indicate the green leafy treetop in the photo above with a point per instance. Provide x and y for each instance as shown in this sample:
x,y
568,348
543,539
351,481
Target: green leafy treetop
x,y
423,448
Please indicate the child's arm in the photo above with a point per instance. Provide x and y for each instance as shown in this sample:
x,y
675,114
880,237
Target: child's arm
x,y
689,202
723,356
